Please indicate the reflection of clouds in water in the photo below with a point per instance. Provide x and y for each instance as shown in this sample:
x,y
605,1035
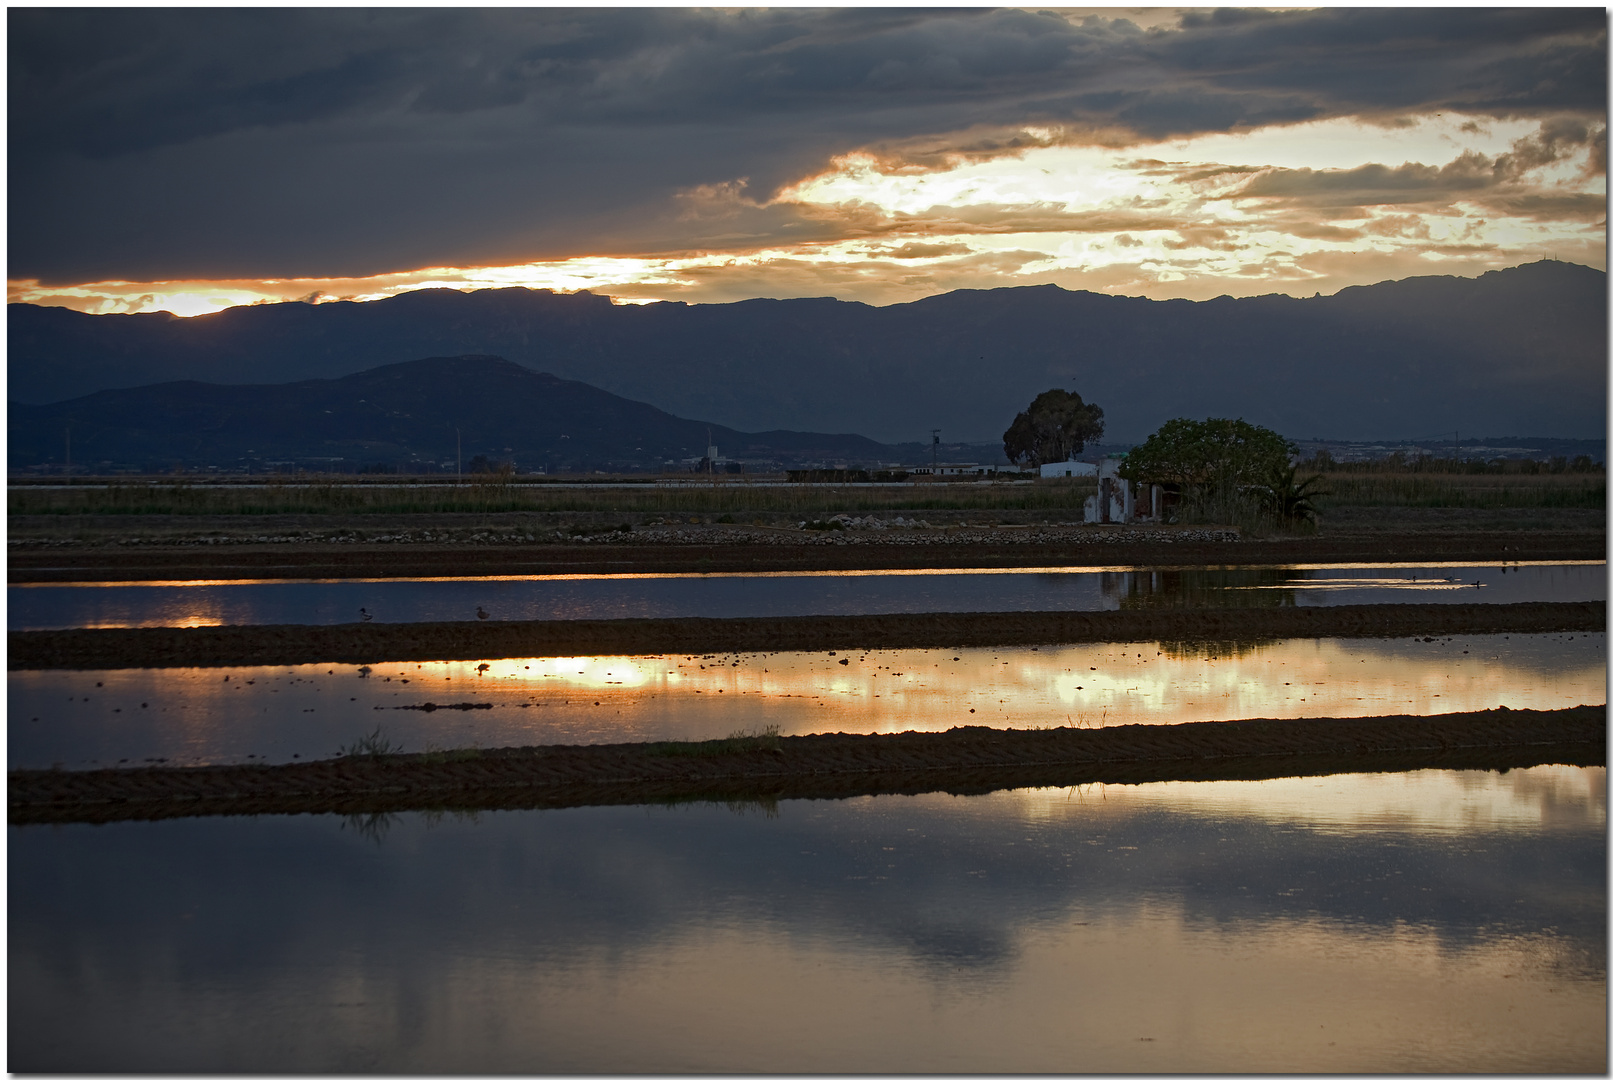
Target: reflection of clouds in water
x,y
1066,927
1429,801
197,715
1552,796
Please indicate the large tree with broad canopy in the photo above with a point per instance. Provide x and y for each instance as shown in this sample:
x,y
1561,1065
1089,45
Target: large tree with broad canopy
x,y
1055,427
1208,454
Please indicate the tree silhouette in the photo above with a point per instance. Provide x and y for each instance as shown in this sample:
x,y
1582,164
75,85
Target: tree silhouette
x,y
1056,427
1208,454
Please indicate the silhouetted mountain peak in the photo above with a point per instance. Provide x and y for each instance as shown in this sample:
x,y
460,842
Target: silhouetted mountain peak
x,y
418,415
1521,349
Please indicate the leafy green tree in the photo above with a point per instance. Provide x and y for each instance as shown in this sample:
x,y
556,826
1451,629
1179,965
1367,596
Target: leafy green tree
x,y
1055,427
1225,455
1227,469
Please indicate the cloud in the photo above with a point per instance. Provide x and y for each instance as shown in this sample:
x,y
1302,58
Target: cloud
x,y
919,251
329,142
1505,182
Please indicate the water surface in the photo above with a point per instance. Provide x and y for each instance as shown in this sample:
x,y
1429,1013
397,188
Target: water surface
x,y
605,596
83,719
1422,922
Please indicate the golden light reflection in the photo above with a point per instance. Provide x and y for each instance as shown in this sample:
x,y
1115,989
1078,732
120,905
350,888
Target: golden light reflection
x,y
1154,985
194,620
1425,801
1079,686
210,715
847,573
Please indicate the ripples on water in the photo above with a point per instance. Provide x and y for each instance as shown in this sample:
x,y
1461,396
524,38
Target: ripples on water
x,y
213,715
1429,921
46,607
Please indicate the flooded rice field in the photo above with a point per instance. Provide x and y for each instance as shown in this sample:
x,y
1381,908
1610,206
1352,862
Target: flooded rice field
x,y
88,719
1432,921
604,596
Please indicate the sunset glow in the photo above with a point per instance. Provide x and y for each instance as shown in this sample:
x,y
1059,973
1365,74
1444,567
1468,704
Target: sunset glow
x,y
1299,207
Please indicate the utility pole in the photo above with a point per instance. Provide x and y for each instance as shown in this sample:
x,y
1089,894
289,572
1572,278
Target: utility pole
x,y
935,450
68,471
459,459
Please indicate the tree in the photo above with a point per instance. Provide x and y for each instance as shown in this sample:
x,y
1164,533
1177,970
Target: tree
x,y
1056,427
1288,499
1223,455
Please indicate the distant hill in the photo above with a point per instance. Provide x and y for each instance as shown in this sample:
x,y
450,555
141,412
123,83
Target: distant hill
x,y
397,415
1523,349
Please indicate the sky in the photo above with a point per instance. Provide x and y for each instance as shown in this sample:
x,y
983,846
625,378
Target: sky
x,y
190,159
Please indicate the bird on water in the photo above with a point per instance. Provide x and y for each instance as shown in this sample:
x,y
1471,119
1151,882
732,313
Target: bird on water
x,y
364,613
480,614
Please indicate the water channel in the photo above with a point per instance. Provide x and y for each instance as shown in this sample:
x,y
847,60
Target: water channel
x,y
1421,922
607,596
86,719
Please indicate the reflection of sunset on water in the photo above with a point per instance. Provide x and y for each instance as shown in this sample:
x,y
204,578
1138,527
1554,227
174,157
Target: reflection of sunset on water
x,y
1080,685
1424,801
196,715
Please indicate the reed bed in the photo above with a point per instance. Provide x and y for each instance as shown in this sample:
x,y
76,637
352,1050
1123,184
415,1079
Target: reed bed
x,y
1559,491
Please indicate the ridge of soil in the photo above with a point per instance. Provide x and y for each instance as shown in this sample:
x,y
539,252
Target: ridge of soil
x,y
370,643
764,769
739,549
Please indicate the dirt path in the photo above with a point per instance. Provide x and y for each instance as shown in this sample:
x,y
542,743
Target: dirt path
x,y
370,643
962,760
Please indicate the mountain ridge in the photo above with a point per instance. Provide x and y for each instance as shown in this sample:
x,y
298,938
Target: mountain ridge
x,y
1517,349
400,416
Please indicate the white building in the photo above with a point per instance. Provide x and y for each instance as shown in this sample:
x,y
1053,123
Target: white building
x,y
951,468
1118,501
1069,468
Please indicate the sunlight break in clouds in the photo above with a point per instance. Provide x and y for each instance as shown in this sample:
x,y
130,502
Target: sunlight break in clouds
x,y
1300,209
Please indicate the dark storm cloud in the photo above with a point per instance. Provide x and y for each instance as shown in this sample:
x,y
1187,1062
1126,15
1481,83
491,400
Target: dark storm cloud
x,y
184,143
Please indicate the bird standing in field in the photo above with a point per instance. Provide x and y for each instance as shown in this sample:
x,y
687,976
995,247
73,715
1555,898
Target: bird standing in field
x,y
480,614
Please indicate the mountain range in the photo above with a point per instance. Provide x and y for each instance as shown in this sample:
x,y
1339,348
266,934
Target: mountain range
x,y
413,417
1522,349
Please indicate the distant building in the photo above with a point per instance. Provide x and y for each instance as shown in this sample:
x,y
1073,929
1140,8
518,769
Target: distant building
x,y
1069,468
713,462
963,468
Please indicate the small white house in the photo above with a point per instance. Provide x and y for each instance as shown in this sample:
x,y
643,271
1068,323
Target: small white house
x,y
1069,468
1119,502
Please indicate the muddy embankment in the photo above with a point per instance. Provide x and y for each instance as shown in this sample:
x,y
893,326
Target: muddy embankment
x,y
369,643
739,549
763,769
